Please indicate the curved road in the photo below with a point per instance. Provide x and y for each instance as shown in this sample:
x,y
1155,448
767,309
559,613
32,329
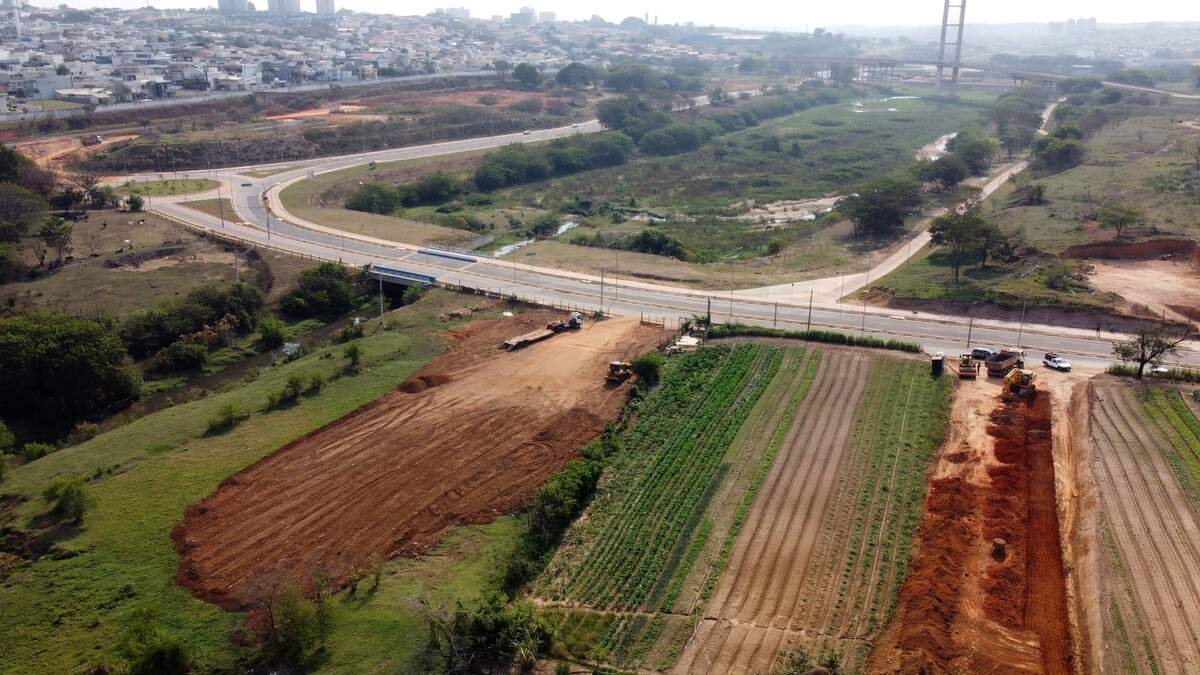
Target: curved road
x,y
261,220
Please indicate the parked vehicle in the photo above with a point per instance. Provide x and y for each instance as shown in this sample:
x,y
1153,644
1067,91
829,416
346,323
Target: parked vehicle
x,y
982,353
1005,360
1052,360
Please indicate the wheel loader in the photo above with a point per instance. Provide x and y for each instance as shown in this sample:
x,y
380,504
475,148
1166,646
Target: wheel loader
x,y
1020,383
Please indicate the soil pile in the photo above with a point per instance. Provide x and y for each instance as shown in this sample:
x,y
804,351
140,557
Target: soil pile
x,y
481,431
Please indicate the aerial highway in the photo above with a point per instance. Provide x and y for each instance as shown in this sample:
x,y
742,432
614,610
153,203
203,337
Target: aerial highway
x,y
261,220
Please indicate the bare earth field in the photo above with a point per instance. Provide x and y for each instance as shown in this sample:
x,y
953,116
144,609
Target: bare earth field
x,y
1144,461
467,438
1164,287
972,603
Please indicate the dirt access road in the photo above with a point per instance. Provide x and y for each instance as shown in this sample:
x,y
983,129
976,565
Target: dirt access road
x,y
469,437
970,605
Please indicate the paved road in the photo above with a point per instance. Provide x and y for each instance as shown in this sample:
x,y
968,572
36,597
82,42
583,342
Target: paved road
x,y
785,306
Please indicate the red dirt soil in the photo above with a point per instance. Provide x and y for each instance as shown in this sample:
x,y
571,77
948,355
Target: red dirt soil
x,y
962,610
481,430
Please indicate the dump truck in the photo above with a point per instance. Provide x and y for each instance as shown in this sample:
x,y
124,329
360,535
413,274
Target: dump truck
x,y
968,367
1020,383
91,139
618,371
1005,360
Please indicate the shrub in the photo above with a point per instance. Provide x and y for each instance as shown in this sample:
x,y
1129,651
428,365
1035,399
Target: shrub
x,y
351,331
411,294
827,336
83,431
135,202
181,355
316,382
325,291
149,331
68,499
35,450
294,629
353,355
4,465
271,333
8,442
162,656
648,368
227,417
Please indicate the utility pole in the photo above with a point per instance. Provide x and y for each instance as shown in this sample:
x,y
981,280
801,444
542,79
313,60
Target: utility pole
x,y
810,299
220,206
970,327
602,289
380,299
1021,329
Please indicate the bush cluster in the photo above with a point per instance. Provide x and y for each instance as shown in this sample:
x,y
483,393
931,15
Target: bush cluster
x,y
522,163
150,330
827,336
325,292
384,199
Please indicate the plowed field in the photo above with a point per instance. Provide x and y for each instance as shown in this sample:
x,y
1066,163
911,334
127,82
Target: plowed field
x,y
827,539
469,437
1146,461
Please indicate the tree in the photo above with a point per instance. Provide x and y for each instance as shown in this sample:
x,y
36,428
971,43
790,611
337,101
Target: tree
x,y
271,333
991,240
502,68
8,442
975,150
843,73
56,369
959,234
353,355
20,209
1150,345
1118,217
68,499
648,368
882,205
55,233
527,75
135,202
88,185
325,291
575,75
946,171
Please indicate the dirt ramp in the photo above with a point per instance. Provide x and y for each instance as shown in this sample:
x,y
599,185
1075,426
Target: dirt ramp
x,y
469,437
1142,250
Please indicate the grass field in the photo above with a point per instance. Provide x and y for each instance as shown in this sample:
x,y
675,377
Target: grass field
x,y
1134,162
170,187
1147,467
161,262
694,527
73,613
217,208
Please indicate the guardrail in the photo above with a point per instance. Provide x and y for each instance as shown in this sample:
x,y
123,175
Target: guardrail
x,y
402,275
448,255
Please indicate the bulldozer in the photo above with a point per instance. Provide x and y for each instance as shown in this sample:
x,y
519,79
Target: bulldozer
x,y
1020,383
618,372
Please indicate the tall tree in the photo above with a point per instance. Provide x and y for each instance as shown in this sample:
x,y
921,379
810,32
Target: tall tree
x,y
882,205
1150,345
20,209
575,75
55,233
959,235
527,75
1117,217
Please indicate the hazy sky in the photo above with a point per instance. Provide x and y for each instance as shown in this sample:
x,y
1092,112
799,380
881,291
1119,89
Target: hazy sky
x,y
768,13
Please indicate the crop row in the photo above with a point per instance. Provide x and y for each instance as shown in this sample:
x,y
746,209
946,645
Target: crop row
x,y
1166,412
648,508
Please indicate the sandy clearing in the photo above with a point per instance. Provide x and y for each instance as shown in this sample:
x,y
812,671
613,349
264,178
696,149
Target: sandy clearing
x,y
1167,288
1156,531
172,261
751,616
55,152
480,431
937,148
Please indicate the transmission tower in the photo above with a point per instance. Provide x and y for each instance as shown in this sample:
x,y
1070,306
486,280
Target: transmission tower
x,y
952,37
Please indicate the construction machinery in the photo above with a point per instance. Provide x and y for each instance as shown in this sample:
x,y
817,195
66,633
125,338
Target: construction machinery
x,y
1000,363
968,367
572,322
1020,383
618,372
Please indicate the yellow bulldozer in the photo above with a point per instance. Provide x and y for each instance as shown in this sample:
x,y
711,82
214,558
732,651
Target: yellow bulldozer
x,y
1020,383
618,372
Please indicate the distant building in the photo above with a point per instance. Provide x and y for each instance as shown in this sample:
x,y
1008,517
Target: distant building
x,y
457,13
525,17
233,6
283,7
325,8
547,17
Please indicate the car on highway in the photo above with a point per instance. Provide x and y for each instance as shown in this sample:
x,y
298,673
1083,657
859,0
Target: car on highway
x,y
247,184
1052,360
982,353
1160,371
526,132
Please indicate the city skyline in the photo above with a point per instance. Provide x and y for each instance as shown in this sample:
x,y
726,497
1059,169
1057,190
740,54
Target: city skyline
x,y
758,14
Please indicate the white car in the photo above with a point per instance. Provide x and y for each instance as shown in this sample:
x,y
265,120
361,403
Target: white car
x,y
1056,362
526,132
1160,371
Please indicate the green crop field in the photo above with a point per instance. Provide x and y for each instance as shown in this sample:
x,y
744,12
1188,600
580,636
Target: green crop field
x,y
73,612
651,557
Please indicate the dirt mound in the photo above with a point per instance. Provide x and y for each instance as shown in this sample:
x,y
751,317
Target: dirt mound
x,y
484,429
1142,250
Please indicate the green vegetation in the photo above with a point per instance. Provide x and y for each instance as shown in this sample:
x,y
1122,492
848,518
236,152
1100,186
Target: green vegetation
x,y
325,291
207,316
56,370
830,337
1169,416
170,187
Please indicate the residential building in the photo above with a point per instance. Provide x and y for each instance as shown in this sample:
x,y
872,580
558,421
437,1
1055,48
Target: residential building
x,y
325,8
233,6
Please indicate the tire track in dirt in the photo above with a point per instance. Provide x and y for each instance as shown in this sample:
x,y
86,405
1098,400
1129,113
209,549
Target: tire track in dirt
x,y
1154,528
770,560
389,478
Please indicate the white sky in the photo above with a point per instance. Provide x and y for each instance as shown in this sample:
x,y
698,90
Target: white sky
x,y
767,13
